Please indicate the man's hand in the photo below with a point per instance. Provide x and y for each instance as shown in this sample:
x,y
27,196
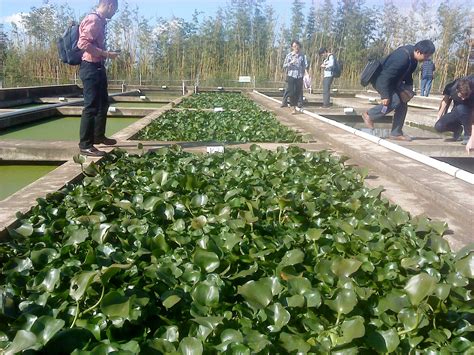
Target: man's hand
x,y
385,102
470,144
112,54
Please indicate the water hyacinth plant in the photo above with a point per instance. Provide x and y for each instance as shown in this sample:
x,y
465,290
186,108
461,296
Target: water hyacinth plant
x,y
234,252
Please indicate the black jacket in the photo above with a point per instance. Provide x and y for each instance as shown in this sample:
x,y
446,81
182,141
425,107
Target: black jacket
x,y
450,90
397,68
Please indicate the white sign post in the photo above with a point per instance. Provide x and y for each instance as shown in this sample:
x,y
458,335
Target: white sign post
x,y
245,79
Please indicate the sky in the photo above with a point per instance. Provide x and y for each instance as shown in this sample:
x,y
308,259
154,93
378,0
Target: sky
x,y
11,9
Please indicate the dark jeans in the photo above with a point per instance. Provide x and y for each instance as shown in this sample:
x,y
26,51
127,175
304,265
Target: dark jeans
x,y
327,90
286,94
426,86
295,90
459,116
375,113
96,103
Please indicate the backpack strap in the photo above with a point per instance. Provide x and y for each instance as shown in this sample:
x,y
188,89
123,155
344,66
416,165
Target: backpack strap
x,y
409,67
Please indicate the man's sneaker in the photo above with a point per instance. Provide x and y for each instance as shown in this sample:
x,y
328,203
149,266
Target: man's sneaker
x,y
457,134
92,152
105,141
400,138
465,140
367,120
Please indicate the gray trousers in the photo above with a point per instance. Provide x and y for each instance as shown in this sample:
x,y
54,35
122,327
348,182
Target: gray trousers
x,y
400,108
327,90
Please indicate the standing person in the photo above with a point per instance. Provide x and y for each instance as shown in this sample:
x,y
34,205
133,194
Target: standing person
x,y
295,65
461,93
427,69
394,83
94,78
328,76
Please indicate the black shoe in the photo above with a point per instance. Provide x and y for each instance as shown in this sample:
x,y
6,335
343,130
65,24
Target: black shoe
x,y
105,141
457,134
92,152
284,105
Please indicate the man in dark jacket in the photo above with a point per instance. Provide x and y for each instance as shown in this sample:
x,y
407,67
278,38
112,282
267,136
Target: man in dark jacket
x,y
427,69
395,85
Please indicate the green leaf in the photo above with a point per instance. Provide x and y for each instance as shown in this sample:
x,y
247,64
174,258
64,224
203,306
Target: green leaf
x,y
79,159
190,346
391,340
344,303
171,301
171,333
26,229
294,343
296,301
258,294
23,340
278,316
100,232
395,300
150,202
351,328
108,272
80,283
43,256
439,245
345,267
419,287
314,234
255,340
47,279
160,177
114,304
77,237
205,294
46,327
67,340
206,260
292,257
465,266
298,285
199,222
209,322
442,291
232,193
410,318
199,201
228,337
398,216
313,298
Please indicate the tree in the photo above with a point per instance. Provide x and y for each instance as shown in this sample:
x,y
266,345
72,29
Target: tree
x,y
297,19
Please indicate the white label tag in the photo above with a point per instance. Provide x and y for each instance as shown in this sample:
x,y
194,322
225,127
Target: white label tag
x,y
218,109
217,149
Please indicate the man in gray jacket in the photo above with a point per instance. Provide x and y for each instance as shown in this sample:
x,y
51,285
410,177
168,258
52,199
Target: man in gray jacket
x,y
394,83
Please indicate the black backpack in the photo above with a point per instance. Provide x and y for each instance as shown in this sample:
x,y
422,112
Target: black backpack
x,y
67,46
371,71
337,67
68,51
